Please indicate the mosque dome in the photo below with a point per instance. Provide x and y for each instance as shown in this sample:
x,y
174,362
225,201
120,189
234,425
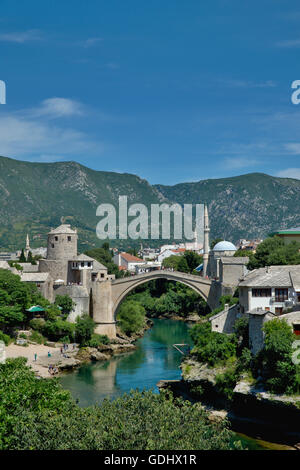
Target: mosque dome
x,y
224,246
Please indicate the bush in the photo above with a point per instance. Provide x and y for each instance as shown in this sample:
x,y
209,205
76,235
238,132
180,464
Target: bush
x,y
37,324
54,330
5,338
131,317
65,339
98,340
36,337
226,382
84,329
211,347
280,374
40,415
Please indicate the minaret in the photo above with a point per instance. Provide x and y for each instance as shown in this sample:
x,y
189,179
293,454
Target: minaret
x,y
206,241
195,240
27,249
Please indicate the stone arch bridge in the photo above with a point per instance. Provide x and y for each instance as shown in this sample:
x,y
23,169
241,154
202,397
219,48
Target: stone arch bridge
x,y
107,296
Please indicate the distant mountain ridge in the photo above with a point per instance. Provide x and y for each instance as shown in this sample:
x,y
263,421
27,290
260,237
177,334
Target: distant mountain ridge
x,y
34,197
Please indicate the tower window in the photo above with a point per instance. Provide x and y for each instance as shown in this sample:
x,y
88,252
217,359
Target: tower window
x,y
56,239
69,239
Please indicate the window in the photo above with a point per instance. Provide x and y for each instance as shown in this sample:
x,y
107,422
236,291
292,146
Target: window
x,y
89,264
281,295
102,274
56,239
52,245
261,292
82,264
69,239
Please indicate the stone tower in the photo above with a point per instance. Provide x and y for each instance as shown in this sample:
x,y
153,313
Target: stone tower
x,y
61,248
206,241
62,243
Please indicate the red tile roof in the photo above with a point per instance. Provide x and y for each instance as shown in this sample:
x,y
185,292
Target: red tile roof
x,y
130,258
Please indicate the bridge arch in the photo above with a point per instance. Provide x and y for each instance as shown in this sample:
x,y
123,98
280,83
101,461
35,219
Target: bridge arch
x,y
122,287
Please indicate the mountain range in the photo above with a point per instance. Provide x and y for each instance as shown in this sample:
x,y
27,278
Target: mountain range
x,y
34,197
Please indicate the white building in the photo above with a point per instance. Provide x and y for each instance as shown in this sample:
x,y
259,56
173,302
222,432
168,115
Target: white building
x,y
168,252
272,288
127,261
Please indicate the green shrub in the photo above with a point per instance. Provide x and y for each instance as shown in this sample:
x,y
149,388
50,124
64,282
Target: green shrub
x,y
131,317
54,330
84,329
40,415
36,337
226,382
37,324
65,339
211,347
98,340
5,338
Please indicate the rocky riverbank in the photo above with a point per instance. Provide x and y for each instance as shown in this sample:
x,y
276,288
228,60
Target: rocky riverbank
x,y
250,409
44,359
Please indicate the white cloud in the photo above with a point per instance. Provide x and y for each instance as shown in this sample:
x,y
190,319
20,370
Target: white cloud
x,y
289,43
57,107
293,148
289,173
240,162
21,36
91,42
248,84
29,138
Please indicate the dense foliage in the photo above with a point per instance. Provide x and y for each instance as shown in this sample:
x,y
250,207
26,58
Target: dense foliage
x,y
15,298
162,297
211,347
131,317
40,415
186,263
105,256
274,362
273,251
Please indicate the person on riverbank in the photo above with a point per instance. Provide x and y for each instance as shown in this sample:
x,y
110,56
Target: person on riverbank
x,y
35,357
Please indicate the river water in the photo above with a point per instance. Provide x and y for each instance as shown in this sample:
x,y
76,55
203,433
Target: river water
x,y
154,359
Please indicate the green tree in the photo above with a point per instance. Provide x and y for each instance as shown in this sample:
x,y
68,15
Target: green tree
x,y
171,262
131,317
40,415
84,328
280,374
193,260
65,302
29,257
273,251
182,265
211,347
22,257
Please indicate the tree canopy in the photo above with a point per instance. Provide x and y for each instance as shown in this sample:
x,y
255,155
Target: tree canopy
x,y
273,251
40,415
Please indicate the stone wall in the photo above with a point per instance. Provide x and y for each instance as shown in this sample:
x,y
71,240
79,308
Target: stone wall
x,y
80,296
224,321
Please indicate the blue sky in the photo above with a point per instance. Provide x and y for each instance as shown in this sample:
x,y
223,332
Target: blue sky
x,y
170,90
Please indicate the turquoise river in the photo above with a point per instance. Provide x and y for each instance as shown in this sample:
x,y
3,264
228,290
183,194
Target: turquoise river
x,y
154,359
